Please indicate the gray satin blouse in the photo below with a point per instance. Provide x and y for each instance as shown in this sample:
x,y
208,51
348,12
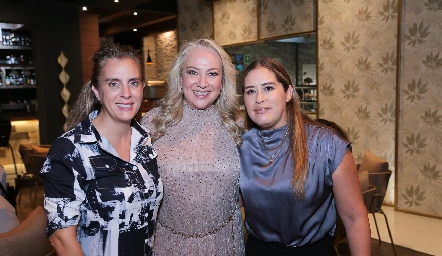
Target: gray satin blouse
x,y
272,212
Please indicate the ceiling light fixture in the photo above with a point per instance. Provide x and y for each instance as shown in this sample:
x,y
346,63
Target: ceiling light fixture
x,y
135,30
116,1
149,59
135,13
84,8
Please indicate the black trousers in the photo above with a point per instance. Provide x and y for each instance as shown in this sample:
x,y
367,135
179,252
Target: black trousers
x,y
324,247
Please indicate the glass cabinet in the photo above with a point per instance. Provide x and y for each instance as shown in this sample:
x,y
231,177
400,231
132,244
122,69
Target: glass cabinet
x,y
17,73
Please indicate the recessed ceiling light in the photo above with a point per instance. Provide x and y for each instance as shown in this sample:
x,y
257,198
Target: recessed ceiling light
x,y
135,29
135,13
116,1
84,8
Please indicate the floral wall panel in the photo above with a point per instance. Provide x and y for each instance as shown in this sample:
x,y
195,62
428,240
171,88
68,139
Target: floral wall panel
x,y
195,20
282,17
420,121
357,43
235,21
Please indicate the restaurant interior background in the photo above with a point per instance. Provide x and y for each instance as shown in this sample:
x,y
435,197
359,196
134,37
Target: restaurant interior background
x,y
378,69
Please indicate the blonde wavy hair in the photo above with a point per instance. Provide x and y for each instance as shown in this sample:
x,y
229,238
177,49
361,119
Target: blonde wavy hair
x,y
295,123
227,103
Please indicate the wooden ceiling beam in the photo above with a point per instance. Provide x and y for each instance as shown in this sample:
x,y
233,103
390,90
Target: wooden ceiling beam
x,y
156,28
128,24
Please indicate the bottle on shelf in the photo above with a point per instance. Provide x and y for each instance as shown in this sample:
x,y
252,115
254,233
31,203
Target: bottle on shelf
x,y
12,38
33,79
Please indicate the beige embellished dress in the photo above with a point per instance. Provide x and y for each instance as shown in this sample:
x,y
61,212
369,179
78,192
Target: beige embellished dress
x,y
199,165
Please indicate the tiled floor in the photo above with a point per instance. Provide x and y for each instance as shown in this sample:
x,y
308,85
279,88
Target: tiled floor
x,y
419,233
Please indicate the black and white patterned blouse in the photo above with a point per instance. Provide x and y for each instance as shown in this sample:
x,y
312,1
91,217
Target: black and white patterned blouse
x,y
113,203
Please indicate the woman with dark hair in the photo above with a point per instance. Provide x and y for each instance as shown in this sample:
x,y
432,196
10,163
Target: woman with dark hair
x,y
102,189
197,138
295,173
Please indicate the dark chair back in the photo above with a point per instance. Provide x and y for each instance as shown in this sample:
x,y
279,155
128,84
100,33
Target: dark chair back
x,y
39,161
368,196
5,130
26,156
380,181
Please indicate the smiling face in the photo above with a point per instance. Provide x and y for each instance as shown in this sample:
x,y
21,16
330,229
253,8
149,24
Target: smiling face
x,y
265,99
201,78
120,90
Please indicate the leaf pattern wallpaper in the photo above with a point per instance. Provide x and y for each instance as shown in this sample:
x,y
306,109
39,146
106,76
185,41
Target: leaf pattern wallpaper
x,y
235,21
358,78
282,17
357,43
419,185
195,20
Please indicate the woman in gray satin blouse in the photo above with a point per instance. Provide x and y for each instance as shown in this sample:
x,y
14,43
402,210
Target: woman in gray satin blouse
x,y
295,173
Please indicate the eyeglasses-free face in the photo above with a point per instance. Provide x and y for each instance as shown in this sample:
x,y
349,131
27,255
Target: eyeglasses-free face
x,y
265,99
201,79
120,90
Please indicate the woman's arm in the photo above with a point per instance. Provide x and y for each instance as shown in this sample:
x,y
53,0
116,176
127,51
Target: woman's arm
x,y
65,242
63,198
350,205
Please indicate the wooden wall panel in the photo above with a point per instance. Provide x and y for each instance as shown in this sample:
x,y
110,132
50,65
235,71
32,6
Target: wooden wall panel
x,y
90,42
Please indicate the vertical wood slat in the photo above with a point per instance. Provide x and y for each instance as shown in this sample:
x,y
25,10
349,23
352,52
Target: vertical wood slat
x,y
90,42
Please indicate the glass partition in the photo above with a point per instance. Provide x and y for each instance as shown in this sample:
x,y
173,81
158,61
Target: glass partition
x,y
297,54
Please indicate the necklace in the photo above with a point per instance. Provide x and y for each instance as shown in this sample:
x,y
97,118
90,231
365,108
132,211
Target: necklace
x,y
277,149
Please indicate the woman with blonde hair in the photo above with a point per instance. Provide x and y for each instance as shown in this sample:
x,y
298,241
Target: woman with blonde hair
x,y
197,137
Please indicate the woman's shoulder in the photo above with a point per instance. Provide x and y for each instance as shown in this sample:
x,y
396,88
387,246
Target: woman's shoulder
x,y
320,136
146,119
320,131
250,135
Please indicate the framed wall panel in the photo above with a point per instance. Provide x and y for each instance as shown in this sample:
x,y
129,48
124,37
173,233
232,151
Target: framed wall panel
x,y
235,21
282,17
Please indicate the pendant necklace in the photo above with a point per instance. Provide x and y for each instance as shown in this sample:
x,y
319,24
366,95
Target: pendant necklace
x,y
278,148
